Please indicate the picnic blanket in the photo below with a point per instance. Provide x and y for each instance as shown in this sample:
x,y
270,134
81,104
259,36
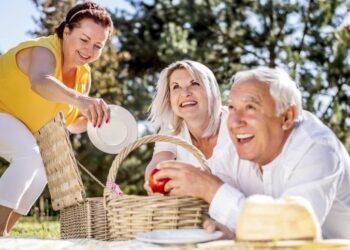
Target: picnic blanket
x,y
13,243
19,243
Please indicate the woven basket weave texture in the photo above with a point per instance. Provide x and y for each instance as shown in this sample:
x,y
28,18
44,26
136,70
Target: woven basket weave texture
x,y
64,180
111,217
85,220
132,214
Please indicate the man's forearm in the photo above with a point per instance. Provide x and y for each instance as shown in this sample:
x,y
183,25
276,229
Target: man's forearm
x,y
226,205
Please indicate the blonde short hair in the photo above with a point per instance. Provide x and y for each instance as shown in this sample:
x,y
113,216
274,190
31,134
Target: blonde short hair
x,y
162,115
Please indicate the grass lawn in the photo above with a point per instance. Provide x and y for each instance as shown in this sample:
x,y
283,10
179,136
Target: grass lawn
x,y
30,227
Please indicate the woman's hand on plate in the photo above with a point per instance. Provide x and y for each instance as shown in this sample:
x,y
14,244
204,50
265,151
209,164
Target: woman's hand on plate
x,y
95,109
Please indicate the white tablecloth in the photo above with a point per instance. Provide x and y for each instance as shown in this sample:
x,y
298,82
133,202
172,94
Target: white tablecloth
x,y
13,243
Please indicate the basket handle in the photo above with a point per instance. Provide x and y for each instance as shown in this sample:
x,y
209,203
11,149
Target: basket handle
x,y
112,175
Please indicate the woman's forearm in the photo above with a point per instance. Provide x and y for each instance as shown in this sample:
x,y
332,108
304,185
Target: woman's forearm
x,y
54,90
95,110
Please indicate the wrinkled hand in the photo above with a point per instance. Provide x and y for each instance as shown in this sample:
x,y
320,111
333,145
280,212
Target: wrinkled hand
x,y
188,180
211,226
95,110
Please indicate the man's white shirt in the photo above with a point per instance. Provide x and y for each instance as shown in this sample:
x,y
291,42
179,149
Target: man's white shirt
x,y
313,164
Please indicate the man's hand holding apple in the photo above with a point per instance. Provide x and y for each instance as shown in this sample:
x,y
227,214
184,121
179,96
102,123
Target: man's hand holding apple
x,y
187,180
156,186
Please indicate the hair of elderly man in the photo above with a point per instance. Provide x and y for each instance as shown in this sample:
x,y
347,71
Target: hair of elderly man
x,y
283,89
161,113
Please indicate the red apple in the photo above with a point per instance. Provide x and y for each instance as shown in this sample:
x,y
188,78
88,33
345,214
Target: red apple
x,y
157,186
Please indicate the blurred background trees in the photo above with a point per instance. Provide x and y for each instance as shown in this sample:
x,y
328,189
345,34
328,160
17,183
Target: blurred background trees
x,y
303,37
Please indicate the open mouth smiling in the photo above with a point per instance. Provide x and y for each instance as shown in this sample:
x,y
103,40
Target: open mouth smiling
x,y
188,104
83,56
244,138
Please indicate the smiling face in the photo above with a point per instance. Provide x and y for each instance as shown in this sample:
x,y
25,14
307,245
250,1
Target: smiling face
x,y
255,129
84,43
188,98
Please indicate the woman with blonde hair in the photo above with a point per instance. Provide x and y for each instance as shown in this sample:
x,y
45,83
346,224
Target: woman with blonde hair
x,y
188,105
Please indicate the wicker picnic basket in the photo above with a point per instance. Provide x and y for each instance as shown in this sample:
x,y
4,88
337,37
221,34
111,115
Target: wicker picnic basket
x,y
110,217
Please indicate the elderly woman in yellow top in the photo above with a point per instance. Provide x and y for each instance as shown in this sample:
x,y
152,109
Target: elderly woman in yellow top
x,y
38,79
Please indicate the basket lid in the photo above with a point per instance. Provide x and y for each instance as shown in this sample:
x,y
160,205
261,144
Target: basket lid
x,y
64,180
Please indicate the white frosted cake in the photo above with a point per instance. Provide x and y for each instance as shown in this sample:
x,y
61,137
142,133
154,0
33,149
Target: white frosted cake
x,y
266,219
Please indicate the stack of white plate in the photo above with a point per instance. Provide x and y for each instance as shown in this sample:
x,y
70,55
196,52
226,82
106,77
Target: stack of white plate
x,y
113,136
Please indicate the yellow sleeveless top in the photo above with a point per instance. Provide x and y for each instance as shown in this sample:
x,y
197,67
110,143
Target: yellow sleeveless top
x,y
18,99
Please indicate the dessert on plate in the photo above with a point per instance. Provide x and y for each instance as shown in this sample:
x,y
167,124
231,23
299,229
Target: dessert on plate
x,y
266,219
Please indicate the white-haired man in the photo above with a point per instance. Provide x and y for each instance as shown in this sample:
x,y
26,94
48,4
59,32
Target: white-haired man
x,y
292,151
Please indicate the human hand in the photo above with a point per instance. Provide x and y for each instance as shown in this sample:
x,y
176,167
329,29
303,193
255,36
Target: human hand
x,y
211,226
187,180
95,110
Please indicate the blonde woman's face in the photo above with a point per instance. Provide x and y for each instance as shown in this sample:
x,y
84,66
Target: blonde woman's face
x,y
84,44
188,97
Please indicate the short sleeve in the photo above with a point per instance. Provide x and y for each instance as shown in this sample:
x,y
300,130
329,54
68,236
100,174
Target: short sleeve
x,y
165,146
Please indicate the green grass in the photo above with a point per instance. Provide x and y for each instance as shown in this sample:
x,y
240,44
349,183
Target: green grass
x,y
30,227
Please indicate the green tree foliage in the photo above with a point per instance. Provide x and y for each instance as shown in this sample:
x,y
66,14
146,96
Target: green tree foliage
x,y
52,13
303,37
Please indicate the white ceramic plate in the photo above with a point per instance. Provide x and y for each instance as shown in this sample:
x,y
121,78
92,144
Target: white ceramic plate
x,y
113,136
178,236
